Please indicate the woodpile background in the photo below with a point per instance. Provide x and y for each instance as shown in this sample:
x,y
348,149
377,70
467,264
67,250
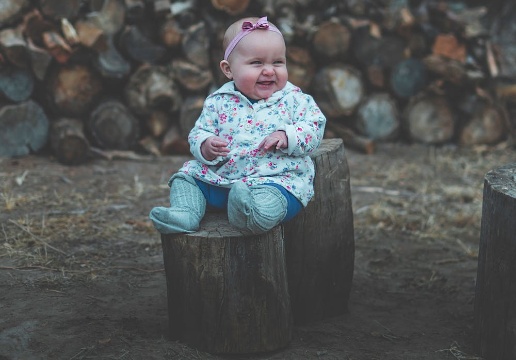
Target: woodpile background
x,y
82,78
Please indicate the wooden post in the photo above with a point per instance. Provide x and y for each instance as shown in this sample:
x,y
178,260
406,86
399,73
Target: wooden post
x,y
495,299
227,292
319,242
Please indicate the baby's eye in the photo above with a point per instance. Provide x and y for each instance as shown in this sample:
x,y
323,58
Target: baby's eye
x,y
256,62
279,62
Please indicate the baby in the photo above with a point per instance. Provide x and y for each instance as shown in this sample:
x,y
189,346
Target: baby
x,y
251,142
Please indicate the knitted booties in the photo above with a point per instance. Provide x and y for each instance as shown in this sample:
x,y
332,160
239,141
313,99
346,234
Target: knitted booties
x,y
255,209
187,207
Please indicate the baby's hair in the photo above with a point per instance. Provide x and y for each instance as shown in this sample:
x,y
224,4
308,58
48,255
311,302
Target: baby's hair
x,y
235,28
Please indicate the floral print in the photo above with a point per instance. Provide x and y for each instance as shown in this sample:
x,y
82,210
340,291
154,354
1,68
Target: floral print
x,y
229,114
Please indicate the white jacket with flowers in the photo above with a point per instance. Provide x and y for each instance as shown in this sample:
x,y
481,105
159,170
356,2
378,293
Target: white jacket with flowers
x,y
227,113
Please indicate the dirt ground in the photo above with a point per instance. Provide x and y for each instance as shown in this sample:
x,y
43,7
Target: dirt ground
x,y
81,267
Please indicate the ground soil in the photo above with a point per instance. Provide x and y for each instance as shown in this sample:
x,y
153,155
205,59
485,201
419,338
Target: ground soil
x,y
81,267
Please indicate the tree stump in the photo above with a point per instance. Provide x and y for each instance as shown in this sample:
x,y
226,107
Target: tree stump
x,y
227,292
495,299
319,241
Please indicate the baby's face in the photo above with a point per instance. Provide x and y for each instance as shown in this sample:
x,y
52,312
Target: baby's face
x,y
259,65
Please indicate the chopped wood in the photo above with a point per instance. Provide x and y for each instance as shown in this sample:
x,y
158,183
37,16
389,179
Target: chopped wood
x,y
486,126
171,34
58,9
68,141
408,78
429,119
140,48
338,89
25,128
11,11
196,45
174,143
448,45
57,46
378,118
232,7
16,84
190,112
69,32
191,76
73,89
157,122
40,60
152,88
91,35
112,126
331,41
14,47
350,138
110,62
301,67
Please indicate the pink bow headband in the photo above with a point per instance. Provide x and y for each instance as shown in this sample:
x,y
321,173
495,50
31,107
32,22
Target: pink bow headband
x,y
247,27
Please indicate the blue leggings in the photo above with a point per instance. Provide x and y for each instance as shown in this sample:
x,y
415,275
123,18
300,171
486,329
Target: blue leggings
x,y
217,198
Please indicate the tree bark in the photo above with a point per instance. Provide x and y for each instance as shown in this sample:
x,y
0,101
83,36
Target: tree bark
x,y
227,292
495,294
319,241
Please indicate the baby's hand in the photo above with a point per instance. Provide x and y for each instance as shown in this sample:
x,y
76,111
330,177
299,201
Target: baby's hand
x,y
214,146
277,139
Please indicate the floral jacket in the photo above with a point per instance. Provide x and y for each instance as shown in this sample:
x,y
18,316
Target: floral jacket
x,y
227,113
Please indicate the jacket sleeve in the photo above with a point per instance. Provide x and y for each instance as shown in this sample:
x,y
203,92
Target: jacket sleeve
x,y
307,129
205,126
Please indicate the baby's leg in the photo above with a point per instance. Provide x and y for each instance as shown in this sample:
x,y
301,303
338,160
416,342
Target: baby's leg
x,y
187,207
256,209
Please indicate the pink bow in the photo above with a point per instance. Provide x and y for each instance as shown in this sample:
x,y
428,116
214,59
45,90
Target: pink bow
x,y
262,24
247,27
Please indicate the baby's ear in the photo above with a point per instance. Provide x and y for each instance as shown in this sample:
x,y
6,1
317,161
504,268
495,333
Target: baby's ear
x,y
226,69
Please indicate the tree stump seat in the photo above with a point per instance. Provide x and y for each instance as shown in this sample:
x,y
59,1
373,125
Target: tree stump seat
x,y
233,293
495,294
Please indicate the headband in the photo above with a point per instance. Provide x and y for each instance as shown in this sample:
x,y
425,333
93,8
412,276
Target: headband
x,y
248,27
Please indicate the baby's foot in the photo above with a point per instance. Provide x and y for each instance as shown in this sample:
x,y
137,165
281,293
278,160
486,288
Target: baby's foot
x,y
174,220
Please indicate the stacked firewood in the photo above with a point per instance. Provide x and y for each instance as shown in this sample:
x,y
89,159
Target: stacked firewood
x,y
129,77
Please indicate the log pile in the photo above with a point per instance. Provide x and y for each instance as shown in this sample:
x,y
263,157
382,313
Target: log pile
x,y
131,75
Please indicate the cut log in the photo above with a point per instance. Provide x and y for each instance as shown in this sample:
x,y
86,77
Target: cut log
x,y
157,123
408,78
191,76
338,89
24,127
231,7
429,119
11,11
152,88
91,35
14,47
40,60
448,46
57,46
319,241
140,48
134,10
372,49
68,142
170,33
74,89
110,63
112,126
190,112
331,41
301,67
58,9
227,292
349,137
495,293
196,45
378,118
486,126
16,84
449,69
174,143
